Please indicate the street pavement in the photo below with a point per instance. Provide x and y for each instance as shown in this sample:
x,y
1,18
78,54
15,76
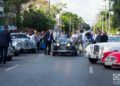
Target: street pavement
x,y
40,70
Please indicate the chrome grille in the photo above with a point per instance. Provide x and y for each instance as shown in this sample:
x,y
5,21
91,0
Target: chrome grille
x,y
63,47
26,44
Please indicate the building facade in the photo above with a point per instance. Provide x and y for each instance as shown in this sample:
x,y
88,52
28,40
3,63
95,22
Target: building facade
x,y
1,8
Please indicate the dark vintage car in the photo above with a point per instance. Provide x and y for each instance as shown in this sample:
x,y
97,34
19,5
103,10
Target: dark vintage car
x,y
64,46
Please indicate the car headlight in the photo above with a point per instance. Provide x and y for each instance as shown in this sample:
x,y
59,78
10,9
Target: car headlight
x,y
68,44
58,44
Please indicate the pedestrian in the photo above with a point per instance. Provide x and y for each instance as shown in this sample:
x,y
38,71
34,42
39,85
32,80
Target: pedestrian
x,y
5,40
75,37
48,38
63,35
98,36
82,40
37,39
89,37
104,37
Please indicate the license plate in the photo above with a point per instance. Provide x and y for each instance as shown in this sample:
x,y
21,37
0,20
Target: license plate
x,y
62,50
108,63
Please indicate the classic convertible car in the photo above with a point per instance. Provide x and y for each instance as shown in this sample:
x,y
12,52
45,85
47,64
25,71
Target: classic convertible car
x,y
112,60
94,52
22,40
16,46
64,46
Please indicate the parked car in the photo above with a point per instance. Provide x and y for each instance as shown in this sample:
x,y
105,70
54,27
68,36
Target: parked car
x,y
23,40
16,46
112,60
94,52
108,51
64,46
33,44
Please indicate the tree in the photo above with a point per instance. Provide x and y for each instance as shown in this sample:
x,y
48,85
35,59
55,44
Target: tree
x,y
14,6
116,16
102,21
71,22
37,20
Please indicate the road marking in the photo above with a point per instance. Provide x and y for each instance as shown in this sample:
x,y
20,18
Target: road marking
x,y
41,55
11,68
91,70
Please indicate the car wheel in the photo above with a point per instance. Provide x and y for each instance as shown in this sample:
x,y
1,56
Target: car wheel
x,y
16,54
54,54
34,51
106,66
76,53
9,58
93,61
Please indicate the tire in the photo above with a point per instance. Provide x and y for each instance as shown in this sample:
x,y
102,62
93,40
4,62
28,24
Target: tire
x,y
106,66
9,58
54,54
93,61
76,53
33,50
16,54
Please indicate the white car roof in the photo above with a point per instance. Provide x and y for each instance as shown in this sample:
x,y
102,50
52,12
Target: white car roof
x,y
112,48
103,45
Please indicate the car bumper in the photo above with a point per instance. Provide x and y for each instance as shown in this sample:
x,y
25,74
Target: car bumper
x,y
25,48
16,51
64,51
116,64
112,64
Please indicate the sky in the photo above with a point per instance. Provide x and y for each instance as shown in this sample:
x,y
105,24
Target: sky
x,y
87,9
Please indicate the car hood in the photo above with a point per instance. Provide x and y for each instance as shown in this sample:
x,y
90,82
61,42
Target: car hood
x,y
64,43
22,39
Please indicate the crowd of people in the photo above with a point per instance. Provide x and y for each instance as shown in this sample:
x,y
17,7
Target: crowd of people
x,y
44,39
81,38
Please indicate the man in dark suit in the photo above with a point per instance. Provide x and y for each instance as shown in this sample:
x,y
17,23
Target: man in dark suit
x,y
48,38
5,40
104,37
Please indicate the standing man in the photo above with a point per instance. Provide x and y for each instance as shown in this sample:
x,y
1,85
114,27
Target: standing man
x,y
98,36
48,38
5,40
104,37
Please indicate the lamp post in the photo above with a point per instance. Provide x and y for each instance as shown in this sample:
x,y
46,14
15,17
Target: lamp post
x,y
106,15
109,26
49,11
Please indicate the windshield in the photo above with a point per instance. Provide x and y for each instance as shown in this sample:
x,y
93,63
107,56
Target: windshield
x,y
114,39
15,36
64,40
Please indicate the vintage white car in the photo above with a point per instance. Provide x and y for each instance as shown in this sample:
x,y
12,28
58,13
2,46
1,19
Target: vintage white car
x,y
22,40
94,52
16,47
33,43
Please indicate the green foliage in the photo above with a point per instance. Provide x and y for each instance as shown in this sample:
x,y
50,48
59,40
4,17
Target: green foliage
x,y
116,16
86,26
37,20
70,21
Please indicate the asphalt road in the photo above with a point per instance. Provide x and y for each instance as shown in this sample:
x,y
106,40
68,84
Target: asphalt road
x,y
41,70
